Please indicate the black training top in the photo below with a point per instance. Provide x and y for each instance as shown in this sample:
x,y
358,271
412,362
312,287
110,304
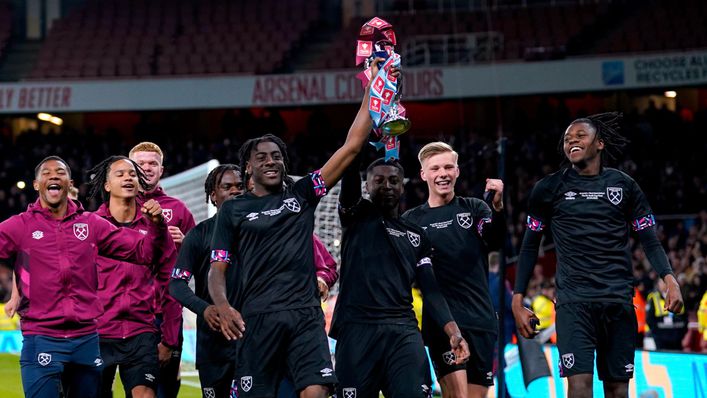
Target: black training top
x,y
269,240
381,258
461,232
194,261
590,218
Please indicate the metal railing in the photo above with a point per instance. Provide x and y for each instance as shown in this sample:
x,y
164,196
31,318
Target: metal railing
x,y
453,49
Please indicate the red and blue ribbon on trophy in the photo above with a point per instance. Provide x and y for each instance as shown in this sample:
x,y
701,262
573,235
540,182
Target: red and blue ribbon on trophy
x,y
377,39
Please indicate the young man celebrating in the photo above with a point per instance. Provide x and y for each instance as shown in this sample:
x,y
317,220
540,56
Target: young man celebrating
x,y
266,234
126,328
54,245
179,220
590,208
214,354
462,232
378,344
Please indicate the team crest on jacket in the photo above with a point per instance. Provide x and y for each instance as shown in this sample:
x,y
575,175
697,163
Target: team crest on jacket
x,y
414,238
81,230
246,383
349,392
292,205
615,195
464,219
167,214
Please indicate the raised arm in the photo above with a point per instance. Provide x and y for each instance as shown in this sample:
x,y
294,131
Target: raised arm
x,y
356,137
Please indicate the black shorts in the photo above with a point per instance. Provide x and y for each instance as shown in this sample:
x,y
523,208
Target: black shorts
x,y
216,378
290,343
389,358
607,328
137,358
479,368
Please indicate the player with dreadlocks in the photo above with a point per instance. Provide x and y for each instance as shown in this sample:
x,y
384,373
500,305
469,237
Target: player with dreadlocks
x,y
214,354
589,208
266,234
127,331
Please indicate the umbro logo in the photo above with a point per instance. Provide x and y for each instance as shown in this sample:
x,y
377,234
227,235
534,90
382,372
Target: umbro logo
x,y
98,362
252,216
570,195
37,235
149,377
326,372
629,368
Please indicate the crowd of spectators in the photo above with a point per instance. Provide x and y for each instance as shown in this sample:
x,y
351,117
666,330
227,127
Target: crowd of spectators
x,y
664,157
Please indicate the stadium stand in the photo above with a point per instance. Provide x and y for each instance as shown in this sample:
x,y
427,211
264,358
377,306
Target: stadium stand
x,y
663,26
5,26
119,39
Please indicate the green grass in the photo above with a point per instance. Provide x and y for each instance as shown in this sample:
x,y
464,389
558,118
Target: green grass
x,y
11,384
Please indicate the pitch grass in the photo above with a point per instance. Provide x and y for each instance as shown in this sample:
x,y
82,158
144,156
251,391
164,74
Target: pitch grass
x,y
11,384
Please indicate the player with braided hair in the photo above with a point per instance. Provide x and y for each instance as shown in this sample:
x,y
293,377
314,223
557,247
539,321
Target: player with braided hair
x,y
127,331
590,208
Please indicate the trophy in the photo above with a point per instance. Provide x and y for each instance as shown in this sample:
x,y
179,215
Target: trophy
x,y
377,40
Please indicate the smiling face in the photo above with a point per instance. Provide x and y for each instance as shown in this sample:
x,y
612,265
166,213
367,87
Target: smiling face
x,y
581,145
266,166
385,185
53,182
151,164
229,186
440,172
122,181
